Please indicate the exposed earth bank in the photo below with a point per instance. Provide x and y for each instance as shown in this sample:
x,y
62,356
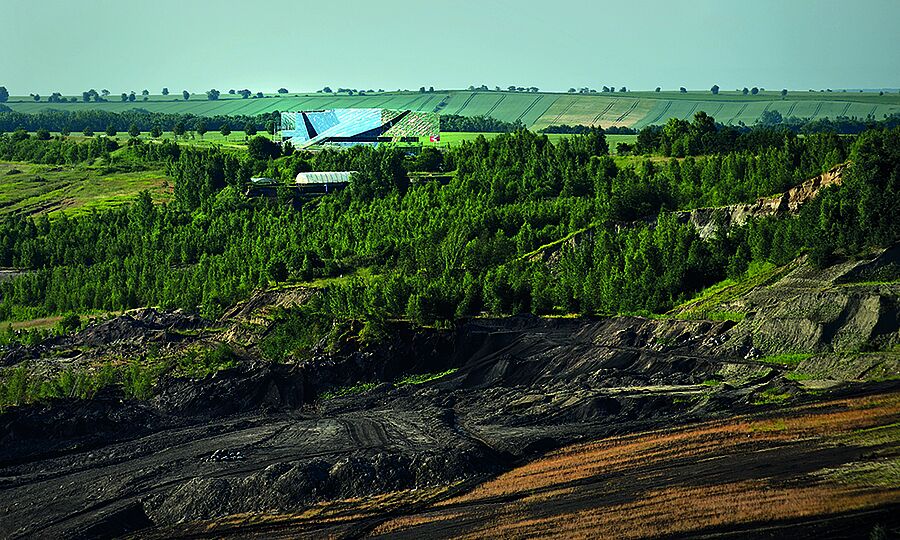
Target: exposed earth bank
x,y
351,437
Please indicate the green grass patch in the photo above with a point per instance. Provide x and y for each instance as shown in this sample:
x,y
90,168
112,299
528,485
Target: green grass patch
x,y
358,388
787,359
798,376
423,377
771,396
47,189
707,303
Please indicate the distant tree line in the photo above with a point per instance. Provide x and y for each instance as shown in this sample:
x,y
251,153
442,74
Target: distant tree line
x,y
482,124
703,135
579,129
99,120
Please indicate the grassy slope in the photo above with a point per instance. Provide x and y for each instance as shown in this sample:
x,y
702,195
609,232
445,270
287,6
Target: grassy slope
x,y
535,110
50,189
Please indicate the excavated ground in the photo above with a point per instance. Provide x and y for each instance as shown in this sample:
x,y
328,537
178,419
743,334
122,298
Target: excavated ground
x,y
258,450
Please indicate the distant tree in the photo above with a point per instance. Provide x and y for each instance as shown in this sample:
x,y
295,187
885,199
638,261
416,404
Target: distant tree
x,y
422,89
104,92
4,94
36,97
260,95
623,89
178,129
683,90
87,132
156,131
658,89
124,96
572,90
270,127
111,131
745,91
262,148
165,91
232,91
715,89
282,90
42,135
754,90
131,97
85,96
133,131
881,93
65,132
185,95
245,93
225,130
770,118
250,129
431,89
145,92
327,90
201,128
212,94
783,92
605,89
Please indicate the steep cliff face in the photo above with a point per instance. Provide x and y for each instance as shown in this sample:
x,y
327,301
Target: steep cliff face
x,y
708,221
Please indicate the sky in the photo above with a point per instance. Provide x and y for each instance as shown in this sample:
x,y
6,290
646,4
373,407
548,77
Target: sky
x,y
125,45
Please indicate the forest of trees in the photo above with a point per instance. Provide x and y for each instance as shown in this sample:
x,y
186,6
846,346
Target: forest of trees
x,y
477,124
434,252
98,120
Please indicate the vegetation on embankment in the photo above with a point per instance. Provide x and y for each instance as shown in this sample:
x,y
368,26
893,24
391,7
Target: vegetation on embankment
x,y
443,251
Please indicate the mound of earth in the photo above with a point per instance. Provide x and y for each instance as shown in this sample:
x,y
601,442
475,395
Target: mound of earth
x,y
351,432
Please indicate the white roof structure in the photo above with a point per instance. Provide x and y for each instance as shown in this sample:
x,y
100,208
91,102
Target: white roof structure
x,y
335,177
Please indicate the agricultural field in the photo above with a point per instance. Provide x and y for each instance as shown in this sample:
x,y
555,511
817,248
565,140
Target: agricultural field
x,y
535,110
50,189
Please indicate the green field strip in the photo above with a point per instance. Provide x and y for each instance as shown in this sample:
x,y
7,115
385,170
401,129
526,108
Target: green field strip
x,y
690,113
628,111
736,114
494,107
874,108
606,110
528,108
846,108
241,109
805,109
791,110
564,111
465,103
445,100
662,113
540,114
479,104
818,108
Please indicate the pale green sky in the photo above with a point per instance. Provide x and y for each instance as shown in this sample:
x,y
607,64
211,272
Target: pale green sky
x,y
123,45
